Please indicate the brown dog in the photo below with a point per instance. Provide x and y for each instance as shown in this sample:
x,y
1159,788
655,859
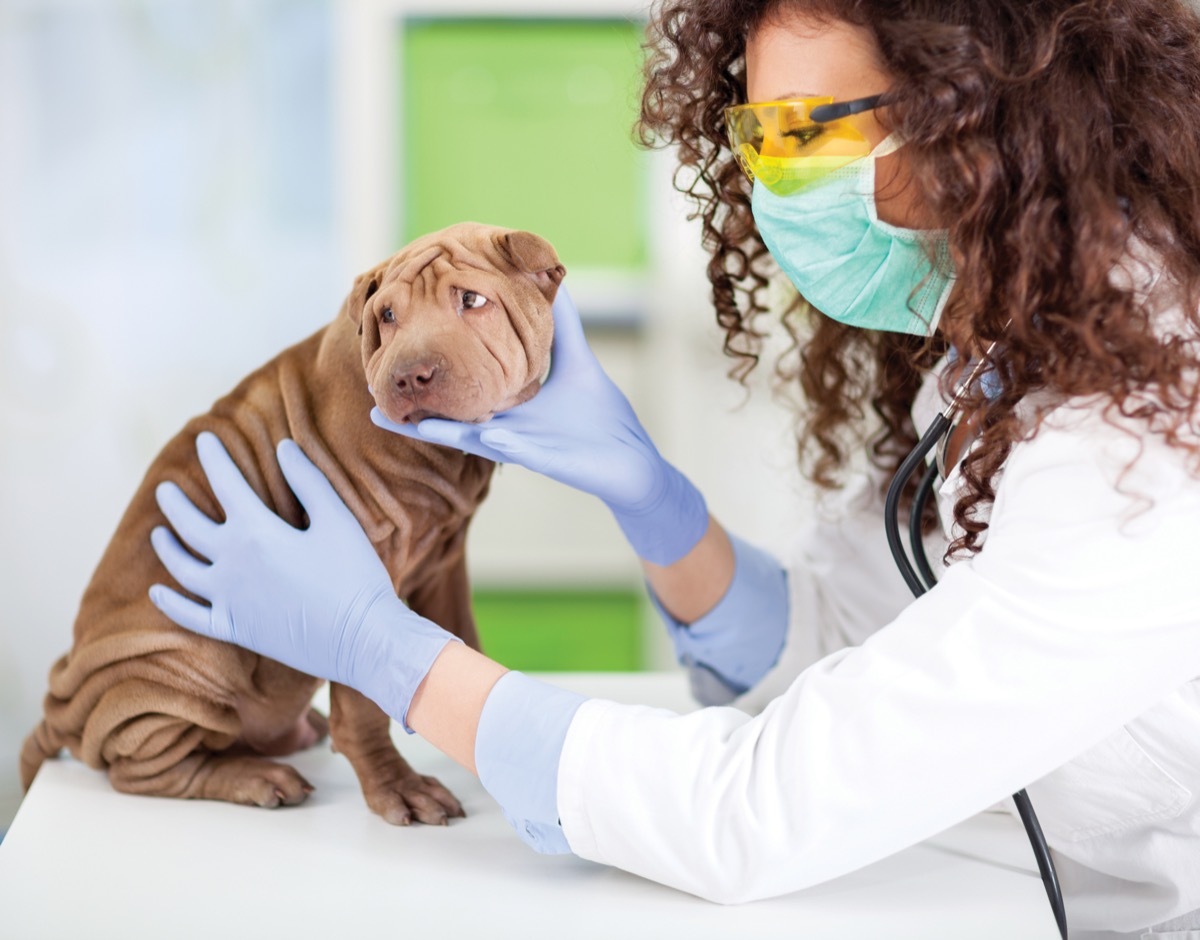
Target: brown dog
x,y
456,324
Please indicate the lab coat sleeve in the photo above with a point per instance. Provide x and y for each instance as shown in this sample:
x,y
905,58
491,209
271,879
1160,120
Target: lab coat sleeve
x,y
1080,613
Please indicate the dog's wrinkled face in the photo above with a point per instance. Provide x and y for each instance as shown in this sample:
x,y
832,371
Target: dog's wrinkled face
x,y
457,324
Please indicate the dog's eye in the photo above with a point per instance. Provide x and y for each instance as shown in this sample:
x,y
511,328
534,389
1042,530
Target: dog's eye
x,y
388,316
472,300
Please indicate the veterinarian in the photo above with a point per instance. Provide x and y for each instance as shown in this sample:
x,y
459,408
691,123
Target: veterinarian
x,y
996,203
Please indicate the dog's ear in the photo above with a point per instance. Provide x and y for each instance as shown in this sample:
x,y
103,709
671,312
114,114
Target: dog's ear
x,y
365,285
533,255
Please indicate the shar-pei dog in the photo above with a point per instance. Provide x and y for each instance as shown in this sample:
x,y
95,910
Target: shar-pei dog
x,y
456,324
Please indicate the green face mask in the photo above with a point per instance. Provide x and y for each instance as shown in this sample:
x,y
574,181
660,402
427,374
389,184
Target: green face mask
x,y
828,239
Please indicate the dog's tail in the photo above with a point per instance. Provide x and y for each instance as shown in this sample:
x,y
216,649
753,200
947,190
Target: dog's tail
x,y
42,743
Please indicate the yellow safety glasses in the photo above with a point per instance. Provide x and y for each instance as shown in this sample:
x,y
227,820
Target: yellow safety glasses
x,y
787,145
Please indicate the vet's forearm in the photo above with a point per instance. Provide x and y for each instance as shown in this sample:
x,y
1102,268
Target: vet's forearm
x,y
446,706
692,586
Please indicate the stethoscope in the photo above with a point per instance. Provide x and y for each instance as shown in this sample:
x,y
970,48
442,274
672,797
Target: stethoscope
x,y
919,577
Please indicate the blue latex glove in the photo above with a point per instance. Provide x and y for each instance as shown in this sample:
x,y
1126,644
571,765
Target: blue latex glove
x,y
316,599
581,430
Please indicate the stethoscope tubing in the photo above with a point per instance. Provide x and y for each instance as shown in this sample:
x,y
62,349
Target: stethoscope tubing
x,y
891,505
916,517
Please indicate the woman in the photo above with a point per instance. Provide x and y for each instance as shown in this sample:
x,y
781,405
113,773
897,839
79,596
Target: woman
x,y
1003,189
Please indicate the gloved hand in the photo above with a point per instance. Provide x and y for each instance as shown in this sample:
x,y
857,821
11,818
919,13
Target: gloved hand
x,y
581,430
316,599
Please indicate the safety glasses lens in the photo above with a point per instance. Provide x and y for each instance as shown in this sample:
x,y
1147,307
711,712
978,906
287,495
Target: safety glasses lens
x,y
778,144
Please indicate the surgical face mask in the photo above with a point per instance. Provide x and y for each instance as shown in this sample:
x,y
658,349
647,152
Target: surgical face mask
x,y
828,239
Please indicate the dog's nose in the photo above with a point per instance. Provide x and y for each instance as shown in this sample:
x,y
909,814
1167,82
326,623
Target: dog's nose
x,y
415,377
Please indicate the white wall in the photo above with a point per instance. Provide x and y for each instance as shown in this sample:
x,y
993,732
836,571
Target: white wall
x,y
165,178
180,201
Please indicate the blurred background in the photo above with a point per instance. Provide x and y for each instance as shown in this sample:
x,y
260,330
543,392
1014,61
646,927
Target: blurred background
x,y
189,186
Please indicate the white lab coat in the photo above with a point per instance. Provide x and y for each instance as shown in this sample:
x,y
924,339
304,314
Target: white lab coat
x,y
1063,658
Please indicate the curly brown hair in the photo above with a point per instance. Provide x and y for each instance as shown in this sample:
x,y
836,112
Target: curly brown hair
x,y
1043,136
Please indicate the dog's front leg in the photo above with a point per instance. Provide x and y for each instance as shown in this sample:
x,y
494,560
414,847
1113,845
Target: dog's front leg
x,y
360,730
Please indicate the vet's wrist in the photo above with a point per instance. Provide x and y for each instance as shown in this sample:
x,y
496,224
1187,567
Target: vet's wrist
x,y
447,707
393,653
670,524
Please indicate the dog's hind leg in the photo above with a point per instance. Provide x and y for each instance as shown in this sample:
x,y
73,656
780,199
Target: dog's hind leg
x,y
360,729
158,741
208,775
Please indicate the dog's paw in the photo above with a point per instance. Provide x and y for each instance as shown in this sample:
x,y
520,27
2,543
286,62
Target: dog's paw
x,y
267,784
413,796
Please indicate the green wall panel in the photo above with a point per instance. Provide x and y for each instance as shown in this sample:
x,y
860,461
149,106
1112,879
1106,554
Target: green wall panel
x,y
526,124
561,630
